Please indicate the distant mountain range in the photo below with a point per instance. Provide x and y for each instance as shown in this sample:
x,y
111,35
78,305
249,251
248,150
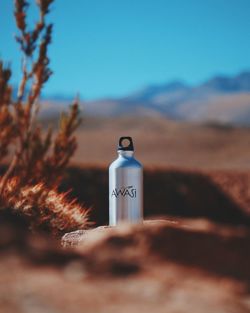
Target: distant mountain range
x,y
221,99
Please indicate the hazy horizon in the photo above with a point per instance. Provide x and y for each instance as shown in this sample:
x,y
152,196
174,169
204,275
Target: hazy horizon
x,y
68,96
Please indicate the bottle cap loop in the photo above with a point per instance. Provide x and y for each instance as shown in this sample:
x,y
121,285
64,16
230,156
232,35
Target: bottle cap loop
x,y
129,147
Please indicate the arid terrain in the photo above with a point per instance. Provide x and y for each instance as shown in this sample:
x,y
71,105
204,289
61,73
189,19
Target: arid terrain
x,y
192,254
191,251
172,265
162,143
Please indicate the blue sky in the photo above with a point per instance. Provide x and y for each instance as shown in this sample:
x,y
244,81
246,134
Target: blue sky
x,y
105,48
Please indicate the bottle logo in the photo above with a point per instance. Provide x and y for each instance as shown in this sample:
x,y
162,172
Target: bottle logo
x,y
129,191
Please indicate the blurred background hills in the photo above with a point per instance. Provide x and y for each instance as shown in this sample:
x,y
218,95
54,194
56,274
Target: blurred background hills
x,y
174,124
221,99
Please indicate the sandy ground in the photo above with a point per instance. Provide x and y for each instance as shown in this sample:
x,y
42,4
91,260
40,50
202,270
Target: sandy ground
x,y
120,271
160,142
173,266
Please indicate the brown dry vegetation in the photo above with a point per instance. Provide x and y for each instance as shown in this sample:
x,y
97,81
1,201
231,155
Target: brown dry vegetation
x,y
28,184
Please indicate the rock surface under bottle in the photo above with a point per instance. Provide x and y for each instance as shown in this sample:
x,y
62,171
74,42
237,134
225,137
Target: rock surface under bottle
x,y
172,265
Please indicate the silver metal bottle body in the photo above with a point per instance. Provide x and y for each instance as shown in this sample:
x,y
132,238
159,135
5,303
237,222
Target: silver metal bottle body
x,y
125,189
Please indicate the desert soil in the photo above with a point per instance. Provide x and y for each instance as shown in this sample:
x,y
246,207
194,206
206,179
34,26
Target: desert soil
x,y
164,143
162,266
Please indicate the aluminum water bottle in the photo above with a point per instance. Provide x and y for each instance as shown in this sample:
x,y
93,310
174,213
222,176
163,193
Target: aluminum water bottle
x,y
125,186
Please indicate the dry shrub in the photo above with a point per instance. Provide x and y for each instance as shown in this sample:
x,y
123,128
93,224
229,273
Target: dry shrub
x,y
46,208
38,159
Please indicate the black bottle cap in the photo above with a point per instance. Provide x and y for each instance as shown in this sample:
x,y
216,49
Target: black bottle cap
x,y
129,147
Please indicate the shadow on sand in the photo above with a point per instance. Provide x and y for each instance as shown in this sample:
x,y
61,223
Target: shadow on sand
x,y
166,192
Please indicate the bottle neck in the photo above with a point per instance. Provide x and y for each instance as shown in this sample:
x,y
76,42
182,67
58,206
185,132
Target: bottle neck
x,y
125,154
